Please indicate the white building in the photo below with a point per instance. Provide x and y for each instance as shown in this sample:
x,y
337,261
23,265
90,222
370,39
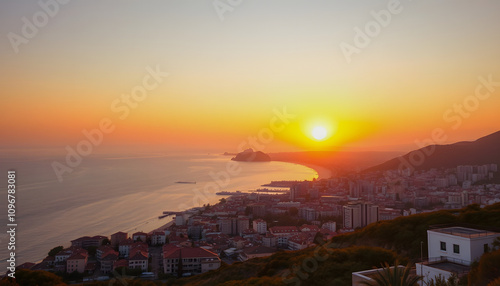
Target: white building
x,y
452,250
330,225
158,238
260,226
366,276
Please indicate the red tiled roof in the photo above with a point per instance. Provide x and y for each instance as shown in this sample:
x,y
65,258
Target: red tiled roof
x,y
119,233
110,256
78,256
138,255
140,233
187,252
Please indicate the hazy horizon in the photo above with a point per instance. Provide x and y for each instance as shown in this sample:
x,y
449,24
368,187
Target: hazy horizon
x,y
214,80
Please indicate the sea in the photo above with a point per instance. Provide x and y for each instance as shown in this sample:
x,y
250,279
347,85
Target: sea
x,y
109,193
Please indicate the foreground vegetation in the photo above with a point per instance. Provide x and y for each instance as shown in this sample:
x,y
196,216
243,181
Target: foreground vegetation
x,y
333,262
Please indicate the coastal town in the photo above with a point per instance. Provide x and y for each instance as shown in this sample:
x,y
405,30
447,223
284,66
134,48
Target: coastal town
x,y
247,225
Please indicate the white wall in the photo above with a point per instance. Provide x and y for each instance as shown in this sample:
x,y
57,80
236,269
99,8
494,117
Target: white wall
x,y
471,249
434,240
429,273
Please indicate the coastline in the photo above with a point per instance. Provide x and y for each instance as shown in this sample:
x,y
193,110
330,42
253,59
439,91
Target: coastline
x,y
323,172
163,227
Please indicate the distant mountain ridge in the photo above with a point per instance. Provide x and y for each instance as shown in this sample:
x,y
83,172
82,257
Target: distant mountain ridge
x,y
485,150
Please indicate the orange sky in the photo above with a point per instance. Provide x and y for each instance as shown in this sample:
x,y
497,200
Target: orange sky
x,y
226,78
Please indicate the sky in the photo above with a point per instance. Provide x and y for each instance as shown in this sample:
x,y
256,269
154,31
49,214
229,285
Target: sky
x,y
219,75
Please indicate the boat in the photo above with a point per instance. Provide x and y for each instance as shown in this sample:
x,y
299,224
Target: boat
x,y
163,216
184,182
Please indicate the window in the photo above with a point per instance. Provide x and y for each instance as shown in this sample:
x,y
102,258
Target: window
x,y
443,246
456,248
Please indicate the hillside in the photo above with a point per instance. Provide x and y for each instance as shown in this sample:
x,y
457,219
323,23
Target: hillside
x,y
333,263
335,161
360,250
484,150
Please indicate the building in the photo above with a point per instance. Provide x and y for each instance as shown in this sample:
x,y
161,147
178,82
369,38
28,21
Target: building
x,y
138,258
360,215
308,214
352,216
87,241
126,247
258,210
108,260
77,261
142,236
269,240
362,277
283,233
243,224
102,250
256,251
225,225
330,225
188,260
260,226
300,241
117,238
158,238
64,254
453,249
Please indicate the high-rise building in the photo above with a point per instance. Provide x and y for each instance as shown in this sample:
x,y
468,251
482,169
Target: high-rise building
x,y
360,215
352,216
243,224
260,226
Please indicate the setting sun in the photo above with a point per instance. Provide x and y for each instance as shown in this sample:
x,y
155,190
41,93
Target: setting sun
x,y
319,132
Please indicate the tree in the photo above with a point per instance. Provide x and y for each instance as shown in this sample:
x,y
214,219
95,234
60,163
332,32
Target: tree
x,y
294,211
496,244
495,282
106,241
222,201
55,250
487,270
92,250
38,277
393,276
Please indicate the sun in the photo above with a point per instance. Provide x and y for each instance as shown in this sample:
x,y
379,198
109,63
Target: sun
x,y
319,133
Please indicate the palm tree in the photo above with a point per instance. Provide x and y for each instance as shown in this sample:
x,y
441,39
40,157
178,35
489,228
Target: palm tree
x,y
393,276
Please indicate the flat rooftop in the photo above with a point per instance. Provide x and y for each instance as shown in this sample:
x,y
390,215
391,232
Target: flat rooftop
x,y
450,267
465,231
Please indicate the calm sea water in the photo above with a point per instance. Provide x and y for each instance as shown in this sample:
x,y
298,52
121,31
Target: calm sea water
x,y
106,194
